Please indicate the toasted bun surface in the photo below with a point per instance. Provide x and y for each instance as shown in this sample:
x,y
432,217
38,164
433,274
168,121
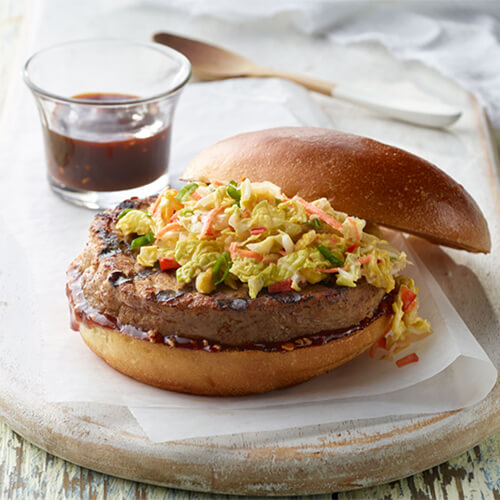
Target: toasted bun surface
x,y
225,373
360,176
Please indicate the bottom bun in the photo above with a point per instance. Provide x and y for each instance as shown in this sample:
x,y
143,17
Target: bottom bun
x,y
228,372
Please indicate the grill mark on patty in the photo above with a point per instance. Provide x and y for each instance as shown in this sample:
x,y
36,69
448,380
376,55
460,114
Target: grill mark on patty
x,y
103,227
117,278
238,305
290,297
165,296
146,273
133,202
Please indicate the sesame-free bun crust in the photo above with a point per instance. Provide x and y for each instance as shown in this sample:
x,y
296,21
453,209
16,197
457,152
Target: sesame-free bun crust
x,y
360,176
225,373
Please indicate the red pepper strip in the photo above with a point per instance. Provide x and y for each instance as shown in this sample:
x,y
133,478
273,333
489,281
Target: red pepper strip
x,y
167,263
407,296
411,307
352,248
257,230
174,218
328,219
380,344
411,358
280,286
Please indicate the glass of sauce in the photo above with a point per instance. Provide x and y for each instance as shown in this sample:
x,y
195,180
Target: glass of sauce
x,y
106,108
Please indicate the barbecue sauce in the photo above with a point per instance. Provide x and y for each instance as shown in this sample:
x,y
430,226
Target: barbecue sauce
x,y
131,148
82,312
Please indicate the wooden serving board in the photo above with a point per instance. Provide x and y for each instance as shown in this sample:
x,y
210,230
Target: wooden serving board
x,y
314,459
307,460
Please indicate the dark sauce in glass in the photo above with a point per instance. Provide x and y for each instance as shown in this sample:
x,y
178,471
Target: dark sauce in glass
x,y
107,148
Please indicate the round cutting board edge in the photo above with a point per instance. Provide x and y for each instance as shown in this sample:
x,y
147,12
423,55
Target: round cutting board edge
x,y
318,459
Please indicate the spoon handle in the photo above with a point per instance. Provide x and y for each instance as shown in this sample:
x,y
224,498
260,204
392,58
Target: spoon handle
x,y
315,84
439,116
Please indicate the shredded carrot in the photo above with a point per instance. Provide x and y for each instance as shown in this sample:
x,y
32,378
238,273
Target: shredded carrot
x,y
411,358
234,251
257,230
355,227
217,183
270,259
174,218
249,253
196,196
330,270
328,219
247,213
207,223
282,252
169,227
158,201
175,205
365,259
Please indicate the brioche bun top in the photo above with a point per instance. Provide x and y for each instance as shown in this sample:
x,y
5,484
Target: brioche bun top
x,y
359,176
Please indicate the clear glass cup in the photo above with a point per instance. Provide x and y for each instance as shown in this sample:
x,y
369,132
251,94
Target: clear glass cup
x,y
106,108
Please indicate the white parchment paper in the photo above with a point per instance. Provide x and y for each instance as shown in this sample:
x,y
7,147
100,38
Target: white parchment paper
x,y
360,389
45,234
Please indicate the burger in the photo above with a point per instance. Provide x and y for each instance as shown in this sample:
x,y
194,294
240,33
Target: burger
x,y
268,267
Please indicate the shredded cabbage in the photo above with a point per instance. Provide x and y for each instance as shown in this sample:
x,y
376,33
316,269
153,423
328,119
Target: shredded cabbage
x,y
135,221
276,238
272,237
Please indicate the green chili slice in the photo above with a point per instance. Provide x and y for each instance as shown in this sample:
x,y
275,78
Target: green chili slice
x,y
218,276
316,223
186,192
185,211
330,256
234,193
124,212
233,183
140,241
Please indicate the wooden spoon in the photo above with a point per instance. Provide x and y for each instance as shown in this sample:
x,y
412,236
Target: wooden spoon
x,y
215,63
